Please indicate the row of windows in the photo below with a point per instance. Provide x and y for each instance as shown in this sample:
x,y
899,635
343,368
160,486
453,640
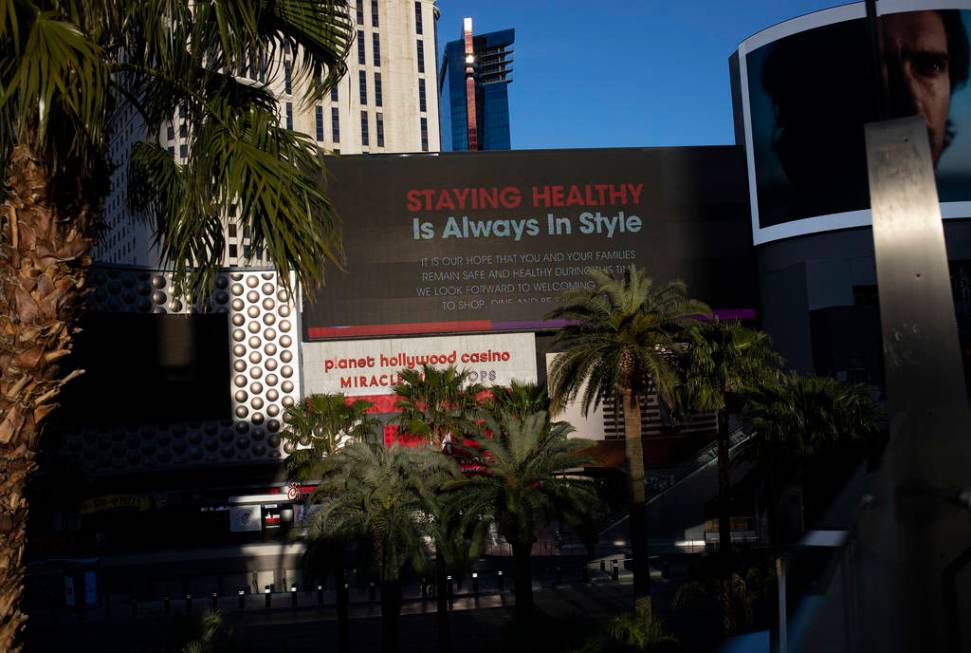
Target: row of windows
x,y
362,88
335,124
379,129
374,12
375,48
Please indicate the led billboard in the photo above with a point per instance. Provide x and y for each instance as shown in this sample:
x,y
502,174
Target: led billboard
x,y
806,87
485,242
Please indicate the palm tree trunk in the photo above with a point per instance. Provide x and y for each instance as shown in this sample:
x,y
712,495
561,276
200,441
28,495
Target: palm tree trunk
x,y
390,611
725,549
441,597
41,276
634,451
522,580
724,492
343,617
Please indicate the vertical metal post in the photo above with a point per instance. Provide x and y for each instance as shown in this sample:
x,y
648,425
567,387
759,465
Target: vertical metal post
x,y
241,599
917,528
188,603
502,581
780,572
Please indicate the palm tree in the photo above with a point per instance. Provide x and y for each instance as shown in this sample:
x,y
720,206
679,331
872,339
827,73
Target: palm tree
x,y
722,361
374,495
525,486
67,66
795,418
521,399
440,405
619,341
316,430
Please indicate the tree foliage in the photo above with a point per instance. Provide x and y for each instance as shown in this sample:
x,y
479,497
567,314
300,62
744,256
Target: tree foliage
x,y
319,426
438,404
620,335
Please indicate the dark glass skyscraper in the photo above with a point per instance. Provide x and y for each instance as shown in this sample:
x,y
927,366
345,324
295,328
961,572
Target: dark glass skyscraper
x,y
473,87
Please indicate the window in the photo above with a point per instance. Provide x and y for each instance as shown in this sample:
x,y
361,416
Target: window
x,y
183,130
335,125
172,151
422,101
183,151
374,13
319,120
364,134
376,47
360,12
233,251
170,131
424,134
287,69
289,115
232,229
362,85
421,56
333,93
417,17
360,47
379,126
378,97
232,210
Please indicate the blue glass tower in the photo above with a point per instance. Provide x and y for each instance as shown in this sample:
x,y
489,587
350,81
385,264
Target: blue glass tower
x,y
473,87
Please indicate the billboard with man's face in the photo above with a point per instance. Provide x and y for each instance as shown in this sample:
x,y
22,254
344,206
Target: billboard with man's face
x,y
489,241
809,85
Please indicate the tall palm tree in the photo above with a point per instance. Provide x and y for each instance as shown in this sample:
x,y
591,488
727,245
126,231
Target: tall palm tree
x,y
723,360
316,430
374,495
440,405
795,418
67,66
525,486
620,342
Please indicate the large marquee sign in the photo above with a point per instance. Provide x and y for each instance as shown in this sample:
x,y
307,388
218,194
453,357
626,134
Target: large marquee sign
x,y
360,368
484,242
806,87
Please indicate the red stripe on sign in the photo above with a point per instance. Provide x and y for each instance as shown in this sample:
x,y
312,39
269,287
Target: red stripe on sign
x,y
386,403
397,329
380,403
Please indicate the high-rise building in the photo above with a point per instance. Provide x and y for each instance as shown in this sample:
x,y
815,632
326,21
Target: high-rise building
x,y
473,84
386,102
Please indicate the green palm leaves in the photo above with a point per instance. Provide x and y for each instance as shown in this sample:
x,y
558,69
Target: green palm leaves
x,y
524,486
319,426
724,359
437,404
802,416
375,494
208,64
621,337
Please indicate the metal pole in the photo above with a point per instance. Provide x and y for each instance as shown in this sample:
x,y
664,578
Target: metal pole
x,y
916,528
780,572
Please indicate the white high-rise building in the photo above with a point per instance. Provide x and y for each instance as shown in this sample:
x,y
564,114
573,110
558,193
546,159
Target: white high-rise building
x,y
387,102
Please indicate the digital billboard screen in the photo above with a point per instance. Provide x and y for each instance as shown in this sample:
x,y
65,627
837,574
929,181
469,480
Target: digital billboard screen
x,y
484,242
809,85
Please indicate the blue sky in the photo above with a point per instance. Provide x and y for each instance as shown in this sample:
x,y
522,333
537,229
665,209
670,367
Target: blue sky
x,y
621,73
